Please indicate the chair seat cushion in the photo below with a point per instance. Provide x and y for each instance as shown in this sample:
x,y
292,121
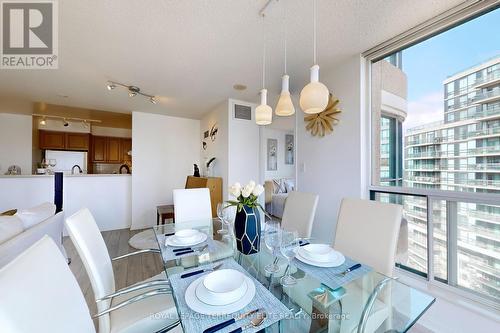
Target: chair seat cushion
x,y
149,315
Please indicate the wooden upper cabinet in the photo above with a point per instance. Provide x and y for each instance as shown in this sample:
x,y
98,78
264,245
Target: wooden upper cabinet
x,y
52,140
114,153
98,149
77,141
126,147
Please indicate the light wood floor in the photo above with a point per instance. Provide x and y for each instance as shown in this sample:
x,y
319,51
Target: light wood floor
x,y
129,270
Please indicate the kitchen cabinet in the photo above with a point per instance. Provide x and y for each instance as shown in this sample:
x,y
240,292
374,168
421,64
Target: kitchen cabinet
x,y
77,141
113,150
126,147
98,149
63,140
52,140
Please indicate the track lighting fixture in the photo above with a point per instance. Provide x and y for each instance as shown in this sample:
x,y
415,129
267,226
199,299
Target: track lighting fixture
x,y
43,122
65,123
132,91
65,120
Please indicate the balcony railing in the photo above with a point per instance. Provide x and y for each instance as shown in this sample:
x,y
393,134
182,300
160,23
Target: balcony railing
x,y
486,95
423,179
486,131
495,75
484,215
484,182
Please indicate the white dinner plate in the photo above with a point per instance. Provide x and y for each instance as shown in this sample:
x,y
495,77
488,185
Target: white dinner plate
x,y
339,260
206,297
212,310
173,241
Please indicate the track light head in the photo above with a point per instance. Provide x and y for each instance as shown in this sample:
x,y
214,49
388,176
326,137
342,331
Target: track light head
x,y
65,123
133,91
111,86
43,121
153,100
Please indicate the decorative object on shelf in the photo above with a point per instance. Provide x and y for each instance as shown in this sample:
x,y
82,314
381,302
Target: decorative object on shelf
x,y
13,170
247,228
263,112
213,132
209,166
285,105
132,91
322,123
289,149
196,171
314,96
204,145
272,154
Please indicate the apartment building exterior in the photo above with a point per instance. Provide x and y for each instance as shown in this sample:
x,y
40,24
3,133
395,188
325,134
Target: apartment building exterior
x,y
459,153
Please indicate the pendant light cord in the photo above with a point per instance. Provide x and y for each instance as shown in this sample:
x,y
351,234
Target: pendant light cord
x,y
263,53
314,32
285,31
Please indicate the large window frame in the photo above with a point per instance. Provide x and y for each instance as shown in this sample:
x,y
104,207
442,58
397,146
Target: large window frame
x,y
445,21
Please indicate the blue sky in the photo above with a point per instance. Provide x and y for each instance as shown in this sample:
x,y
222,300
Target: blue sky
x,y
428,63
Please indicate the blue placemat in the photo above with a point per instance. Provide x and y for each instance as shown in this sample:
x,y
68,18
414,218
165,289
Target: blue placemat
x,y
194,322
329,276
168,254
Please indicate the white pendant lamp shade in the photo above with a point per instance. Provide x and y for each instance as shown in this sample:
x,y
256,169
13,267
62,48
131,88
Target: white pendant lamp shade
x,y
314,96
263,113
285,106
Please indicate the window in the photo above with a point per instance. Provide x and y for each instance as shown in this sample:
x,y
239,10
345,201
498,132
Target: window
x,y
440,156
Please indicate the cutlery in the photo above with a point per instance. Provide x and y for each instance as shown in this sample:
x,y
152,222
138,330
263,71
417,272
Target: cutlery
x,y
171,234
220,326
183,276
254,323
350,269
182,249
201,249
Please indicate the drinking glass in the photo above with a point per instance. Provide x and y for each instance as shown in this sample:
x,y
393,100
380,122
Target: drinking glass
x,y
221,215
288,247
272,238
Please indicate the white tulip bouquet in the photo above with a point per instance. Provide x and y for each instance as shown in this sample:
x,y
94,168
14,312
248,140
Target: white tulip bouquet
x,y
246,195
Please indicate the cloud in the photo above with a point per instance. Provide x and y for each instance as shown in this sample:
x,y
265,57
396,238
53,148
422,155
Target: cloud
x,y
426,109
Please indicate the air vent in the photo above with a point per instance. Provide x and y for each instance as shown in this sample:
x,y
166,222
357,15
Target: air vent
x,y
242,112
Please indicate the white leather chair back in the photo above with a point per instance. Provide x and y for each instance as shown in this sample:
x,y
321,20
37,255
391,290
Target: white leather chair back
x,y
192,204
40,294
367,231
299,212
90,245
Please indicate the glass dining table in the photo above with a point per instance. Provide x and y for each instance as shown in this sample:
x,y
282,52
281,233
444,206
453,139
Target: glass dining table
x,y
370,303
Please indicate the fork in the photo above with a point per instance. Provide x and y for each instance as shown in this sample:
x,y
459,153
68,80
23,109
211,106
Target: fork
x,y
350,269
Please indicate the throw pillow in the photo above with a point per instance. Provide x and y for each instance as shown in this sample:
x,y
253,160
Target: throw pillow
x,y
289,185
10,226
279,186
9,212
37,214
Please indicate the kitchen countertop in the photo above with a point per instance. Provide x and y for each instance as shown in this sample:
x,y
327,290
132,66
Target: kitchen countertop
x,y
75,175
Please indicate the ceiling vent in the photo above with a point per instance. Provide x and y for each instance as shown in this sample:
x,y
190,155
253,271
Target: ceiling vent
x,y
242,112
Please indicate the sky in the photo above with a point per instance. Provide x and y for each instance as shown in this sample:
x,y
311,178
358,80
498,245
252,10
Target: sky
x,y
429,63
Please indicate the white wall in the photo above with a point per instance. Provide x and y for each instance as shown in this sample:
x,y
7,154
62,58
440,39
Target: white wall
x,y
15,142
164,150
108,197
332,166
283,170
219,147
244,147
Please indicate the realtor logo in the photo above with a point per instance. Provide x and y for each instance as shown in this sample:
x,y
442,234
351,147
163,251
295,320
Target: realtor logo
x,y
29,35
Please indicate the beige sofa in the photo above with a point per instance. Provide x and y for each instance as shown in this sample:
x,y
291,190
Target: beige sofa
x,y
52,226
276,192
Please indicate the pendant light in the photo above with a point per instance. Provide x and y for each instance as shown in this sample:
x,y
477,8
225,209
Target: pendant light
x,y
263,112
285,106
314,96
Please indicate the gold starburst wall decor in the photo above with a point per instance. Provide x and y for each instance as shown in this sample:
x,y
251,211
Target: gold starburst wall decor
x,y
322,123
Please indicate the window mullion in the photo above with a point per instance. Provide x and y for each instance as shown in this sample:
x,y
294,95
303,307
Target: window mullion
x,y
430,240
452,237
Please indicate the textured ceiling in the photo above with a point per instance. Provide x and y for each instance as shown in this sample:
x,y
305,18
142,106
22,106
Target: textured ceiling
x,y
192,52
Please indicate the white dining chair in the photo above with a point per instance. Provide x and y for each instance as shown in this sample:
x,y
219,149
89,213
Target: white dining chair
x,y
299,212
142,307
192,204
40,294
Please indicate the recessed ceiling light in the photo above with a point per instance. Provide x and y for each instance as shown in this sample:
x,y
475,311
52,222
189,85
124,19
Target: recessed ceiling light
x,y
239,87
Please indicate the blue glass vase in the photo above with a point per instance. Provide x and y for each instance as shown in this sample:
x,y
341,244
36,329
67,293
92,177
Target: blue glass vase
x,y
247,230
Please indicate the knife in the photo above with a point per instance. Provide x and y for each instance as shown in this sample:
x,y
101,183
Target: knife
x,y
229,322
182,249
191,251
183,276
171,234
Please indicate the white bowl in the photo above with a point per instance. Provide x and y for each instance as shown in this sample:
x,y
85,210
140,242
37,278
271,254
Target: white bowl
x,y
317,252
187,235
222,287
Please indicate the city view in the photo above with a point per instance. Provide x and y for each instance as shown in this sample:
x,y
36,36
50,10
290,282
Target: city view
x,y
454,146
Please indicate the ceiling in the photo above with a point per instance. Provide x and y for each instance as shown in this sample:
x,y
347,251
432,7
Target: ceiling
x,y
192,52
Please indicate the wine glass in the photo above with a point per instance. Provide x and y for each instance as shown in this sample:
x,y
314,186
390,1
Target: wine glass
x,y
272,238
288,247
221,214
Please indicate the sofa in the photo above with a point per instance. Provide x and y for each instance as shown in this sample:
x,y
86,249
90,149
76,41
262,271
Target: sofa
x,y
26,227
276,192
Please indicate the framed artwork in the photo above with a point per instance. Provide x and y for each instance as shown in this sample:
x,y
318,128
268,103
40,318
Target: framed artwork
x,y
272,154
289,149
